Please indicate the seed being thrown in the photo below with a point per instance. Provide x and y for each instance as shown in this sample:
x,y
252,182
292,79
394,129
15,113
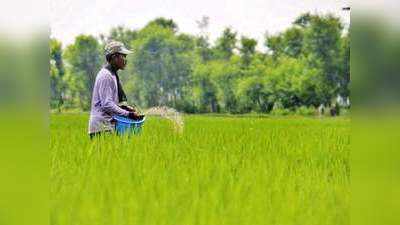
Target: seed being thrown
x,y
167,113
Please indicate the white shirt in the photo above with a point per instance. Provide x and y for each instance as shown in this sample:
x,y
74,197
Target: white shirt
x,y
104,102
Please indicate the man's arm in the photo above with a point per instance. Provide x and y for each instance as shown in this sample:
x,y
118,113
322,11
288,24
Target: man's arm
x,y
106,94
128,108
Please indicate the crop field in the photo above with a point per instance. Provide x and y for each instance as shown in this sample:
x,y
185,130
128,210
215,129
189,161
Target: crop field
x,y
219,170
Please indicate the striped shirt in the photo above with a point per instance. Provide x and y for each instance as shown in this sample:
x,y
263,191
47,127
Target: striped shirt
x,y
104,102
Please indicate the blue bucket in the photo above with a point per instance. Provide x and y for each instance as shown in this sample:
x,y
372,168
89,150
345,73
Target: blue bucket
x,y
125,125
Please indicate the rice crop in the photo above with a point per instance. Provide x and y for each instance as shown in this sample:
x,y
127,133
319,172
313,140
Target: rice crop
x,y
219,170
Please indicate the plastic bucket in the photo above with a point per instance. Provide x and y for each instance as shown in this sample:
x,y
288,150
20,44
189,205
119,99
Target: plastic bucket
x,y
125,125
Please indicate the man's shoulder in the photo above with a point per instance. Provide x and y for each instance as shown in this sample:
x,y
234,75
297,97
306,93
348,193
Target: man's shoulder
x,y
104,71
104,74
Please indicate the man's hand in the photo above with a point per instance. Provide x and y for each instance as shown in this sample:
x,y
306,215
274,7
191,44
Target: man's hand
x,y
128,108
135,116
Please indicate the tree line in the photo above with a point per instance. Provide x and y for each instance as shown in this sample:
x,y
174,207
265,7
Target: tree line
x,y
305,66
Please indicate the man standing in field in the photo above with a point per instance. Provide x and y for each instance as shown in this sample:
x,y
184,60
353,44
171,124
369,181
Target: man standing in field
x,y
108,98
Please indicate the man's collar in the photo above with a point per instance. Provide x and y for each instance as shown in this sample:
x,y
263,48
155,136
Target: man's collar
x,y
111,69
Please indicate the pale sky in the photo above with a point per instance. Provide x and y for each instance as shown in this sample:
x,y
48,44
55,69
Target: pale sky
x,y
252,18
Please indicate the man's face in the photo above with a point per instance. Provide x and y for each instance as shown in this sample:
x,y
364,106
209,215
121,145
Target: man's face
x,y
120,61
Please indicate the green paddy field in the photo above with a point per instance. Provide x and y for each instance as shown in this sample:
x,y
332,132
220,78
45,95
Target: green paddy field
x,y
219,170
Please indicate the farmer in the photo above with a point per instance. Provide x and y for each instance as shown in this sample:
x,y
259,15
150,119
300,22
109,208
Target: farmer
x,y
108,98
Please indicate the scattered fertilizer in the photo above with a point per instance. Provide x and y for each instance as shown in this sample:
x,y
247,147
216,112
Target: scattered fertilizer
x,y
167,113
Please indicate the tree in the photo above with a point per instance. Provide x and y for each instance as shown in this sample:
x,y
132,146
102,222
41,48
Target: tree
x,y
164,23
225,74
202,44
317,39
292,83
84,61
57,72
203,25
344,90
247,50
203,49
162,64
252,92
274,45
204,89
322,38
120,33
252,95
304,20
225,44
306,65
289,43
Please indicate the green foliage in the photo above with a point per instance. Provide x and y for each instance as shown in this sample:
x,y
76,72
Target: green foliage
x,y
306,65
225,44
164,23
281,112
225,74
162,64
289,43
84,60
57,72
203,49
305,111
293,83
251,94
121,34
322,40
204,89
317,38
252,90
344,78
247,49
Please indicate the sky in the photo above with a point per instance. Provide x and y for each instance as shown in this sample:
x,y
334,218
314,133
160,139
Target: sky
x,y
252,18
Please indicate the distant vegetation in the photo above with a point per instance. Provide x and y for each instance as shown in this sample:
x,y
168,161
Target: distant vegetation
x,y
305,66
